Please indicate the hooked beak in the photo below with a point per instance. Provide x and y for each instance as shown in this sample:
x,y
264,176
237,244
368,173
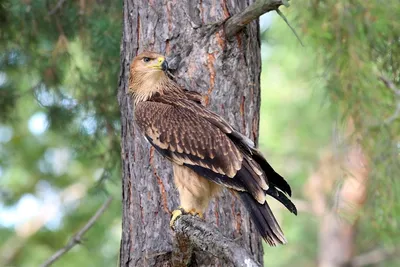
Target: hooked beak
x,y
161,64
164,65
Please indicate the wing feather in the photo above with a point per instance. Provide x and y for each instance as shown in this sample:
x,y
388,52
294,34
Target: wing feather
x,y
244,144
188,138
188,134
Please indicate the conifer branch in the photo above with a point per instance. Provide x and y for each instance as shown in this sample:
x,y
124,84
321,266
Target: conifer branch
x,y
290,26
392,86
77,239
57,7
373,257
238,21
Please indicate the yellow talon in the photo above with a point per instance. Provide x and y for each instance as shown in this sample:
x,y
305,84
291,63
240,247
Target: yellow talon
x,y
196,213
180,211
175,215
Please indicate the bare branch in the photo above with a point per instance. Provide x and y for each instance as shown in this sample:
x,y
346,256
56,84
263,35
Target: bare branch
x,y
374,257
57,7
77,239
237,22
394,116
232,26
390,84
206,237
290,26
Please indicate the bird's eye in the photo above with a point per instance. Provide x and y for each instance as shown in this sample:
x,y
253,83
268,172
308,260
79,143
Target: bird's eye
x,y
146,59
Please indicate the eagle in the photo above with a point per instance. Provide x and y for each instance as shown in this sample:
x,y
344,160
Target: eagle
x,y
206,152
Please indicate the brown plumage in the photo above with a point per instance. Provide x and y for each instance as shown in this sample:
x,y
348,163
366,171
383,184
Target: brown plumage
x,y
206,152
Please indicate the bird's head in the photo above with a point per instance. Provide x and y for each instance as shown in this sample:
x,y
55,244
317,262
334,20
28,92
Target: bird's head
x,y
149,62
148,75
147,70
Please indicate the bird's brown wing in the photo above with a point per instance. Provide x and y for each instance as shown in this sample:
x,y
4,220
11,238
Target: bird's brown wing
x,y
187,138
253,156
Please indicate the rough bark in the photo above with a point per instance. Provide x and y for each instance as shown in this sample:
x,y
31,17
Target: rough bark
x,y
206,237
227,74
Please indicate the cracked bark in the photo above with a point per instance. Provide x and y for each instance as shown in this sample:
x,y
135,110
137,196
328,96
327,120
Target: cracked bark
x,y
227,73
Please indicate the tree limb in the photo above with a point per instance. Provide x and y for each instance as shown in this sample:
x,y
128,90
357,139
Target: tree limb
x,y
237,22
57,7
232,26
206,237
394,116
290,26
374,257
77,239
390,84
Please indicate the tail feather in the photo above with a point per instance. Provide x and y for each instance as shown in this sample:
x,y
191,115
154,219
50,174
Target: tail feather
x,y
264,220
247,147
282,198
273,177
251,183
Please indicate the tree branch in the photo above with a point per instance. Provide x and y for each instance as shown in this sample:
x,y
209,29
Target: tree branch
x,y
391,85
394,116
206,237
237,22
374,257
77,239
290,26
57,7
231,26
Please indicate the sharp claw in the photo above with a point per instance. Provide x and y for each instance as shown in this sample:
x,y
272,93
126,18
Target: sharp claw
x,y
196,213
175,215
180,211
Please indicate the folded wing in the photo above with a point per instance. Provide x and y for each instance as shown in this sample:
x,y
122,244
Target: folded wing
x,y
187,134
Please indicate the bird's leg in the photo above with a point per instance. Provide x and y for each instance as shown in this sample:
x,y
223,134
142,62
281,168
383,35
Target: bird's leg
x,y
194,193
181,211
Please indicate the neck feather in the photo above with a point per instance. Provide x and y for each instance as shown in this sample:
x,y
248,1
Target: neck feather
x,y
143,85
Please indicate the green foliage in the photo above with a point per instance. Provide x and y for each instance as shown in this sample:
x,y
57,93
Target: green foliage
x,y
60,119
358,43
349,68
295,128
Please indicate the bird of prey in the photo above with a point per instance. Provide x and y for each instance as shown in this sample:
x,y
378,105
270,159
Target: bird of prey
x,y
206,152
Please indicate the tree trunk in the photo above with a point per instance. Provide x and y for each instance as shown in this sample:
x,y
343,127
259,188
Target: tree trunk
x,y
227,73
338,224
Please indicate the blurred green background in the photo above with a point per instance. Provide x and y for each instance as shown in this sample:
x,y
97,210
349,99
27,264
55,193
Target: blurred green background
x,y
59,128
